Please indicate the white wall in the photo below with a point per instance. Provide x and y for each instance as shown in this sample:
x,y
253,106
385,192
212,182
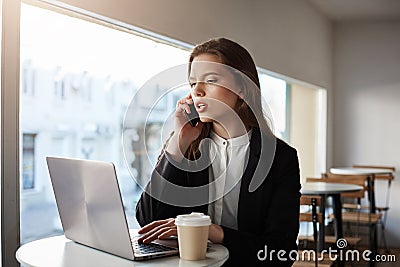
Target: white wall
x,y
303,128
367,103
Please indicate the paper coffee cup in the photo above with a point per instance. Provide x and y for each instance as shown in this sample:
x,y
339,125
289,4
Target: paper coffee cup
x,y
193,235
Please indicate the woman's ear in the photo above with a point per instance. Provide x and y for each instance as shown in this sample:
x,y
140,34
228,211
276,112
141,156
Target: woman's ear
x,y
242,89
241,94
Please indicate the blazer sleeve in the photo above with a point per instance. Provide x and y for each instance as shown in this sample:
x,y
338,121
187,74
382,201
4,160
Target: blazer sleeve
x,y
149,209
280,225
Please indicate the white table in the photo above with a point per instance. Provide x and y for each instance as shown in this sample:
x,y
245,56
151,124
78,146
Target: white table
x,y
334,190
360,171
59,251
317,188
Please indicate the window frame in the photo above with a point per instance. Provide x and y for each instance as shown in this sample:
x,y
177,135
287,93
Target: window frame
x,y
10,184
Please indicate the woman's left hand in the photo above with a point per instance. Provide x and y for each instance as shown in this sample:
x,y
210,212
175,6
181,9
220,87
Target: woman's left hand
x,y
166,228
158,230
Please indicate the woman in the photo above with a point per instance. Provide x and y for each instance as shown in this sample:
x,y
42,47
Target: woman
x,y
254,197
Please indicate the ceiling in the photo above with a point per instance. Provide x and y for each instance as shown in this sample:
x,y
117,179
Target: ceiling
x,y
344,10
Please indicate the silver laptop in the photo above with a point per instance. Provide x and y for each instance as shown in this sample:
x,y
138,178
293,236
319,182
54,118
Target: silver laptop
x,y
92,213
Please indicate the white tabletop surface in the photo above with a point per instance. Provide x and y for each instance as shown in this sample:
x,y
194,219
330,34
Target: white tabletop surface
x,y
359,171
60,251
328,188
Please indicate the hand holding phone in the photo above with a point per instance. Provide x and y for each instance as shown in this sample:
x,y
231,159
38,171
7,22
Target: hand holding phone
x,y
193,116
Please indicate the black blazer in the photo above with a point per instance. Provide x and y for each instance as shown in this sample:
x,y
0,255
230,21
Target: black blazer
x,y
268,218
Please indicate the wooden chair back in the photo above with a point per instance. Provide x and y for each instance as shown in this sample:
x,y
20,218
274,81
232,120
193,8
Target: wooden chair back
x,y
310,201
388,177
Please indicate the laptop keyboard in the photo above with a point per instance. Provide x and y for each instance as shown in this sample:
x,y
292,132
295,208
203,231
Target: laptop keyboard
x,y
149,248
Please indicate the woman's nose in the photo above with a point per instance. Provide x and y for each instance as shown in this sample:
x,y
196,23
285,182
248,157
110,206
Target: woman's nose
x,y
198,89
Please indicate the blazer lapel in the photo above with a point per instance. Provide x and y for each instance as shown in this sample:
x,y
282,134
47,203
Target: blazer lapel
x,y
246,198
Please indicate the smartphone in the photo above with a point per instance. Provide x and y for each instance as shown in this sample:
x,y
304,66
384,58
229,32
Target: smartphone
x,y
193,117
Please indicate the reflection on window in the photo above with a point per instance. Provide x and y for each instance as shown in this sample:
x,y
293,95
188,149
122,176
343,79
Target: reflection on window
x,y
28,161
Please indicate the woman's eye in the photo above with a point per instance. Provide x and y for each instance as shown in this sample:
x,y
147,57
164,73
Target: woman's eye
x,y
211,81
192,85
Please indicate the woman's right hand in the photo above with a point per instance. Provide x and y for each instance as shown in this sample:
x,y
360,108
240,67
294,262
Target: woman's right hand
x,y
185,134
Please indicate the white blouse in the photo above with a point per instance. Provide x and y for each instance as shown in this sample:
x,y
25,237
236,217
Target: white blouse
x,y
229,159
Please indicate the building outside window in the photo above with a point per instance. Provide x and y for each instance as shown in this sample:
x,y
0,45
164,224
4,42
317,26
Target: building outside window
x,y
28,81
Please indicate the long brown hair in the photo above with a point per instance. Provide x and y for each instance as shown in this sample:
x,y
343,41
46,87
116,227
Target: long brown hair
x,y
237,57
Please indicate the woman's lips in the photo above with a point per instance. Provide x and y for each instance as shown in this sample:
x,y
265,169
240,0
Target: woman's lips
x,y
200,106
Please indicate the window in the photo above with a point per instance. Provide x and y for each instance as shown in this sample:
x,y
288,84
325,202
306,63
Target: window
x,y
275,93
78,87
299,117
28,78
75,89
59,84
28,161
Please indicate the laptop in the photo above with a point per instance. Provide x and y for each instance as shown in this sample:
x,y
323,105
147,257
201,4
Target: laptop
x,y
92,213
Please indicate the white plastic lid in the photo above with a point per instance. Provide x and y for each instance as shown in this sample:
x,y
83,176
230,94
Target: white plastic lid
x,y
193,219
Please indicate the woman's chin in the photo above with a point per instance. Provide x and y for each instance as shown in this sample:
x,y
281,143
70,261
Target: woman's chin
x,y
205,119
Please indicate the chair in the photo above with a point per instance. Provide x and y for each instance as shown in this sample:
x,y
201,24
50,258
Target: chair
x,y
386,177
354,212
331,239
383,210
315,217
